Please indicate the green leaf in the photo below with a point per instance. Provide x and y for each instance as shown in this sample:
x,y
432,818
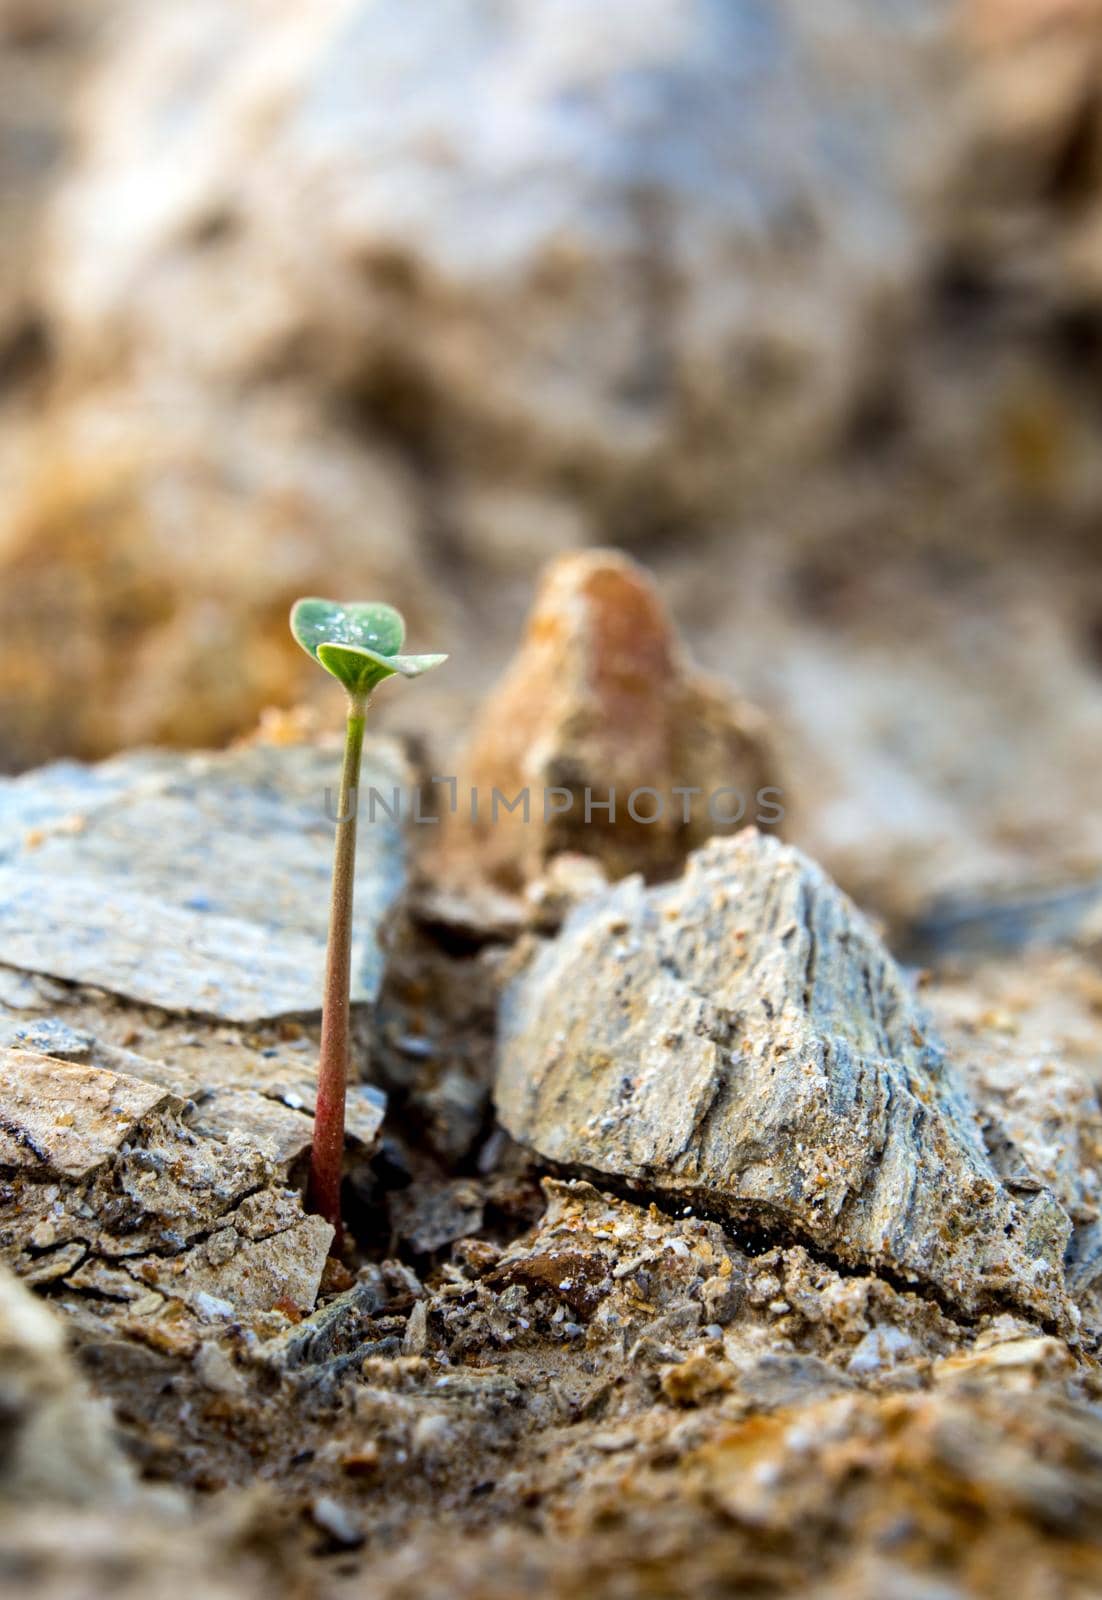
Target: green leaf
x,y
366,624
358,642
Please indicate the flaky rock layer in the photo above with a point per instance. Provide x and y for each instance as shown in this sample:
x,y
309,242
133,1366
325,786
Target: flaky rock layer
x,y
741,1040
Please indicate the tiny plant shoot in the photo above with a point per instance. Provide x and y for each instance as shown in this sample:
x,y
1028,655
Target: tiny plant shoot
x,y
359,644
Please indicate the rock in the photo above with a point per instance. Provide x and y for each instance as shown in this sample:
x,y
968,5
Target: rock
x,y
107,1186
600,313
1016,1364
340,1523
740,1040
216,1371
331,1334
57,1443
698,1378
578,1278
972,927
264,1095
427,1216
1025,1030
415,1338
278,1117
1025,1460
211,515
632,249
280,1270
199,884
601,701
48,1036
67,1121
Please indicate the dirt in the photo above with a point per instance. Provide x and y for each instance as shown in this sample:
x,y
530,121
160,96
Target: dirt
x,y
518,1383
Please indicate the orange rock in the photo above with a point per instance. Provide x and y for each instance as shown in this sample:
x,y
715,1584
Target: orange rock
x,y
600,698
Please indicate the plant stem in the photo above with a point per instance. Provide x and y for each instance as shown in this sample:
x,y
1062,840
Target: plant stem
x,y
327,1155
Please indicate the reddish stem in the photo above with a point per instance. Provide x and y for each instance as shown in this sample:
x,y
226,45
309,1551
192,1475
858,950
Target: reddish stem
x,y
327,1155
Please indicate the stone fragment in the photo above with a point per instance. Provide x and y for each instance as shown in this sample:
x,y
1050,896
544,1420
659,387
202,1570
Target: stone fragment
x,y
56,1443
216,1371
108,1186
286,1125
54,1264
331,1333
415,1338
339,1522
282,1133
578,1277
281,1270
103,1278
428,1216
699,1377
49,1036
601,698
199,883
66,1120
740,1040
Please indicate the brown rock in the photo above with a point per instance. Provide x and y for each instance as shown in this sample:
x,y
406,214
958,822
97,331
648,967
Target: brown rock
x,y
150,1221
697,1378
159,547
246,1275
582,305
579,1278
65,1118
599,699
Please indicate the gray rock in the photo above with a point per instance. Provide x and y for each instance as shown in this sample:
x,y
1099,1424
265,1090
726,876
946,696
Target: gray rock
x,y
47,1035
330,1334
741,1040
429,1215
196,883
144,1184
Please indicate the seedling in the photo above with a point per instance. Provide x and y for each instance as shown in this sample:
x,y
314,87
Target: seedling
x,y
359,644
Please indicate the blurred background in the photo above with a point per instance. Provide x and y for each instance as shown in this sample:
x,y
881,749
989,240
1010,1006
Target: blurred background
x,y
798,303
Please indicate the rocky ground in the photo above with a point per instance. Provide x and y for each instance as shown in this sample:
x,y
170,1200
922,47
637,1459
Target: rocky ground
x,y
695,1246
723,1201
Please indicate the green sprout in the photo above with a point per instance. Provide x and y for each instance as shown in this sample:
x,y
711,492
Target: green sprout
x,y
359,644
